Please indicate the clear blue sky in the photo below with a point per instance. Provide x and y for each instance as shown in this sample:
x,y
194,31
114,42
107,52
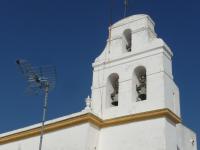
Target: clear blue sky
x,y
69,35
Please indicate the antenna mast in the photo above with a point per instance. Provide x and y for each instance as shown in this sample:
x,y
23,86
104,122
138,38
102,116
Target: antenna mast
x,y
44,114
40,80
111,12
125,7
110,24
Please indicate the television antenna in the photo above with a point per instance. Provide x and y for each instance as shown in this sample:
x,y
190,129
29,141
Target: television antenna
x,y
40,80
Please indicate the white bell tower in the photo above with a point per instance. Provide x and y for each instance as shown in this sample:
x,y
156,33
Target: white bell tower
x,y
134,72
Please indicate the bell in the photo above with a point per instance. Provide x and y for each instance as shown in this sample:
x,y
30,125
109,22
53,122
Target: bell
x,y
115,103
142,97
114,98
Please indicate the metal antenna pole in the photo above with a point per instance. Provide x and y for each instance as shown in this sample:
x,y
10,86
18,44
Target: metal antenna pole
x,y
125,7
111,13
40,80
44,115
110,23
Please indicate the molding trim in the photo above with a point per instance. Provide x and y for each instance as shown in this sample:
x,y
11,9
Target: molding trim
x,y
160,113
91,118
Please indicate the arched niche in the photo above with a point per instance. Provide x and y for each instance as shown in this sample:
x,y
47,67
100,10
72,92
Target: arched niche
x,y
127,36
112,90
139,84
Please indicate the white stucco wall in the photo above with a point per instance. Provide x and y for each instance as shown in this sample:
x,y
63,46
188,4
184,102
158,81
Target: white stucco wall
x,y
149,134
157,85
152,134
73,138
186,138
147,51
78,137
170,135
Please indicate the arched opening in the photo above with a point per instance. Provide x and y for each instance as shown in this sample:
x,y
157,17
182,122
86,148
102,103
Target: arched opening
x,y
140,82
128,40
113,89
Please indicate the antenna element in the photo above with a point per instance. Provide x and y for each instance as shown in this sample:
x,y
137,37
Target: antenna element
x,y
40,80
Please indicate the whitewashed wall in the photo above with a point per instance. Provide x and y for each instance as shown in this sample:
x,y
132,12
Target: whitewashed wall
x,y
73,138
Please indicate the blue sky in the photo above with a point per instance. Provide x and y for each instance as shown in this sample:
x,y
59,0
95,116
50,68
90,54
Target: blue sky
x,y
70,35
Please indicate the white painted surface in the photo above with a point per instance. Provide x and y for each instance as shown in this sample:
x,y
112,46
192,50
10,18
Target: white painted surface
x,y
142,135
46,123
74,138
147,51
186,138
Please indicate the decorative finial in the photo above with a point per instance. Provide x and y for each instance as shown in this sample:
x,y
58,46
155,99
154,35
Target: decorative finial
x,y
88,103
192,141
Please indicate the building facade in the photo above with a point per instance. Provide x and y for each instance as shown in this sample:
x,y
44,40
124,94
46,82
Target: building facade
x,y
134,103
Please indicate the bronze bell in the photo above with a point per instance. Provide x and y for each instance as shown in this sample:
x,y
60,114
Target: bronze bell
x,y
115,103
114,97
142,96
